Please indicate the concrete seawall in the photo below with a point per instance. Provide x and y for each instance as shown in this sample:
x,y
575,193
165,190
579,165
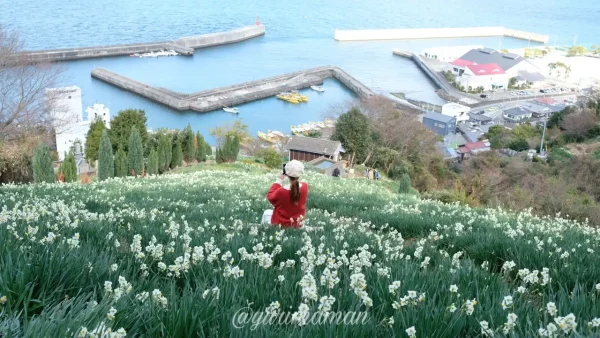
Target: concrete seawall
x,y
436,33
214,99
184,46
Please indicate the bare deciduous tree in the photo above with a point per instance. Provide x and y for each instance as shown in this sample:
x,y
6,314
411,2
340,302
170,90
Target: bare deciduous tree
x,y
578,124
397,128
24,104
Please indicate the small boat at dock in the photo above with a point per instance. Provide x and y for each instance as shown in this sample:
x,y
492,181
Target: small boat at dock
x,y
319,89
232,110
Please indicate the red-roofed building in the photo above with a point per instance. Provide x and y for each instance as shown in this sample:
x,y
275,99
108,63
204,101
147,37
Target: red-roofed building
x,y
489,76
462,63
469,149
545,100
487,69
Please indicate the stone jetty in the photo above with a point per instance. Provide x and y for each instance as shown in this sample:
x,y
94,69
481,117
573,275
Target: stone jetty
x,y
183,46
214,99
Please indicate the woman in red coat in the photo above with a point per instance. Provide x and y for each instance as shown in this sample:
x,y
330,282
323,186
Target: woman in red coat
x,y
289,201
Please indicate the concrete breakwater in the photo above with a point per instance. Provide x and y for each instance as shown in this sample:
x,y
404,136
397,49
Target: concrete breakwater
x,y
436,33
184,46
214,99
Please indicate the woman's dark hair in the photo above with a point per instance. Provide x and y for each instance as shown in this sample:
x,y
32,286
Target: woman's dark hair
x,y
295,189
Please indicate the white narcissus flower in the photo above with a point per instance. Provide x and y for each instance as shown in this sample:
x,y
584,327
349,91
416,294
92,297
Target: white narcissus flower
x,y
453,288
111,313
411,332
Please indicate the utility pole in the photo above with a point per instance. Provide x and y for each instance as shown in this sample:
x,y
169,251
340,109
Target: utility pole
x,y
542,152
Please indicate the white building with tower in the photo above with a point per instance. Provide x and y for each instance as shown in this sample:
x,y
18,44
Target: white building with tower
x,y
66,113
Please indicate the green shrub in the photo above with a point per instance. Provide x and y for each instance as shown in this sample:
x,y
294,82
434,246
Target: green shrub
x,y
271,158
43,171
405,187
448,196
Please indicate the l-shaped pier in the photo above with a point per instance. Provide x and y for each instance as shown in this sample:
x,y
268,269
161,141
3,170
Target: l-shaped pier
x,y
183,46
214,99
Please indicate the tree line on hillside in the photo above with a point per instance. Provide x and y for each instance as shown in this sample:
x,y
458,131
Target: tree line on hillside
x,y
128,149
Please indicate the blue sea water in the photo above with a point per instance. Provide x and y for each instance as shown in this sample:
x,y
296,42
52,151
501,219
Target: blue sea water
x,y
299,36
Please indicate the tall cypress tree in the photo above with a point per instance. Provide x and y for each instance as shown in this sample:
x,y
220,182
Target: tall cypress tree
x,y
93,139
218,155
69,168
235,147
106,161
201,149
152,167
209,151
43,171
163,148
121,163
177,158
189,153
135,154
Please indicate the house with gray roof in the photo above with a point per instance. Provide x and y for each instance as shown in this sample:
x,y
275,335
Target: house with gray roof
x,y
517,114
306,149
537,110
439,123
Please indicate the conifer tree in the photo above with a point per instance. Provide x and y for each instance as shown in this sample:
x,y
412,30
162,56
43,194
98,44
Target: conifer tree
x,y
106,161
209,151
177,159
43,171
189,153
219,155
69,168
135,154
121,163
93,139
152,167
235,148
165,152
201,149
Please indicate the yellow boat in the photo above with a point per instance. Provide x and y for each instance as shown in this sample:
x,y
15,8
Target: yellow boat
x,y
288,97
299,97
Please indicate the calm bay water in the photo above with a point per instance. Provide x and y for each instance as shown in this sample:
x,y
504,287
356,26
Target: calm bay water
x,y
299,36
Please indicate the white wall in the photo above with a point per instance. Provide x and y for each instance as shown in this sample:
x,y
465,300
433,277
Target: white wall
x,y
65,106
64,140
99,109
484,81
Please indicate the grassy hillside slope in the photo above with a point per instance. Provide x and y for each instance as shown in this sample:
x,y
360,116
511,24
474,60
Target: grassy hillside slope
x,y
179,255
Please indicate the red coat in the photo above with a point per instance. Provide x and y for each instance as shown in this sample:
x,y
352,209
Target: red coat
x,y
285,210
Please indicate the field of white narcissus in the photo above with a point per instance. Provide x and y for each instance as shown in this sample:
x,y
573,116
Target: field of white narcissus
x,y
180,255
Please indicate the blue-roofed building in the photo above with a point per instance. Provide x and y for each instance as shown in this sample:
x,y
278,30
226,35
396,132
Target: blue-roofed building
x,y
439,123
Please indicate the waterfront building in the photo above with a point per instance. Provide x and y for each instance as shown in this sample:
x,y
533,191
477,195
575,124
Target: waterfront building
x,y
439,123
491,69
